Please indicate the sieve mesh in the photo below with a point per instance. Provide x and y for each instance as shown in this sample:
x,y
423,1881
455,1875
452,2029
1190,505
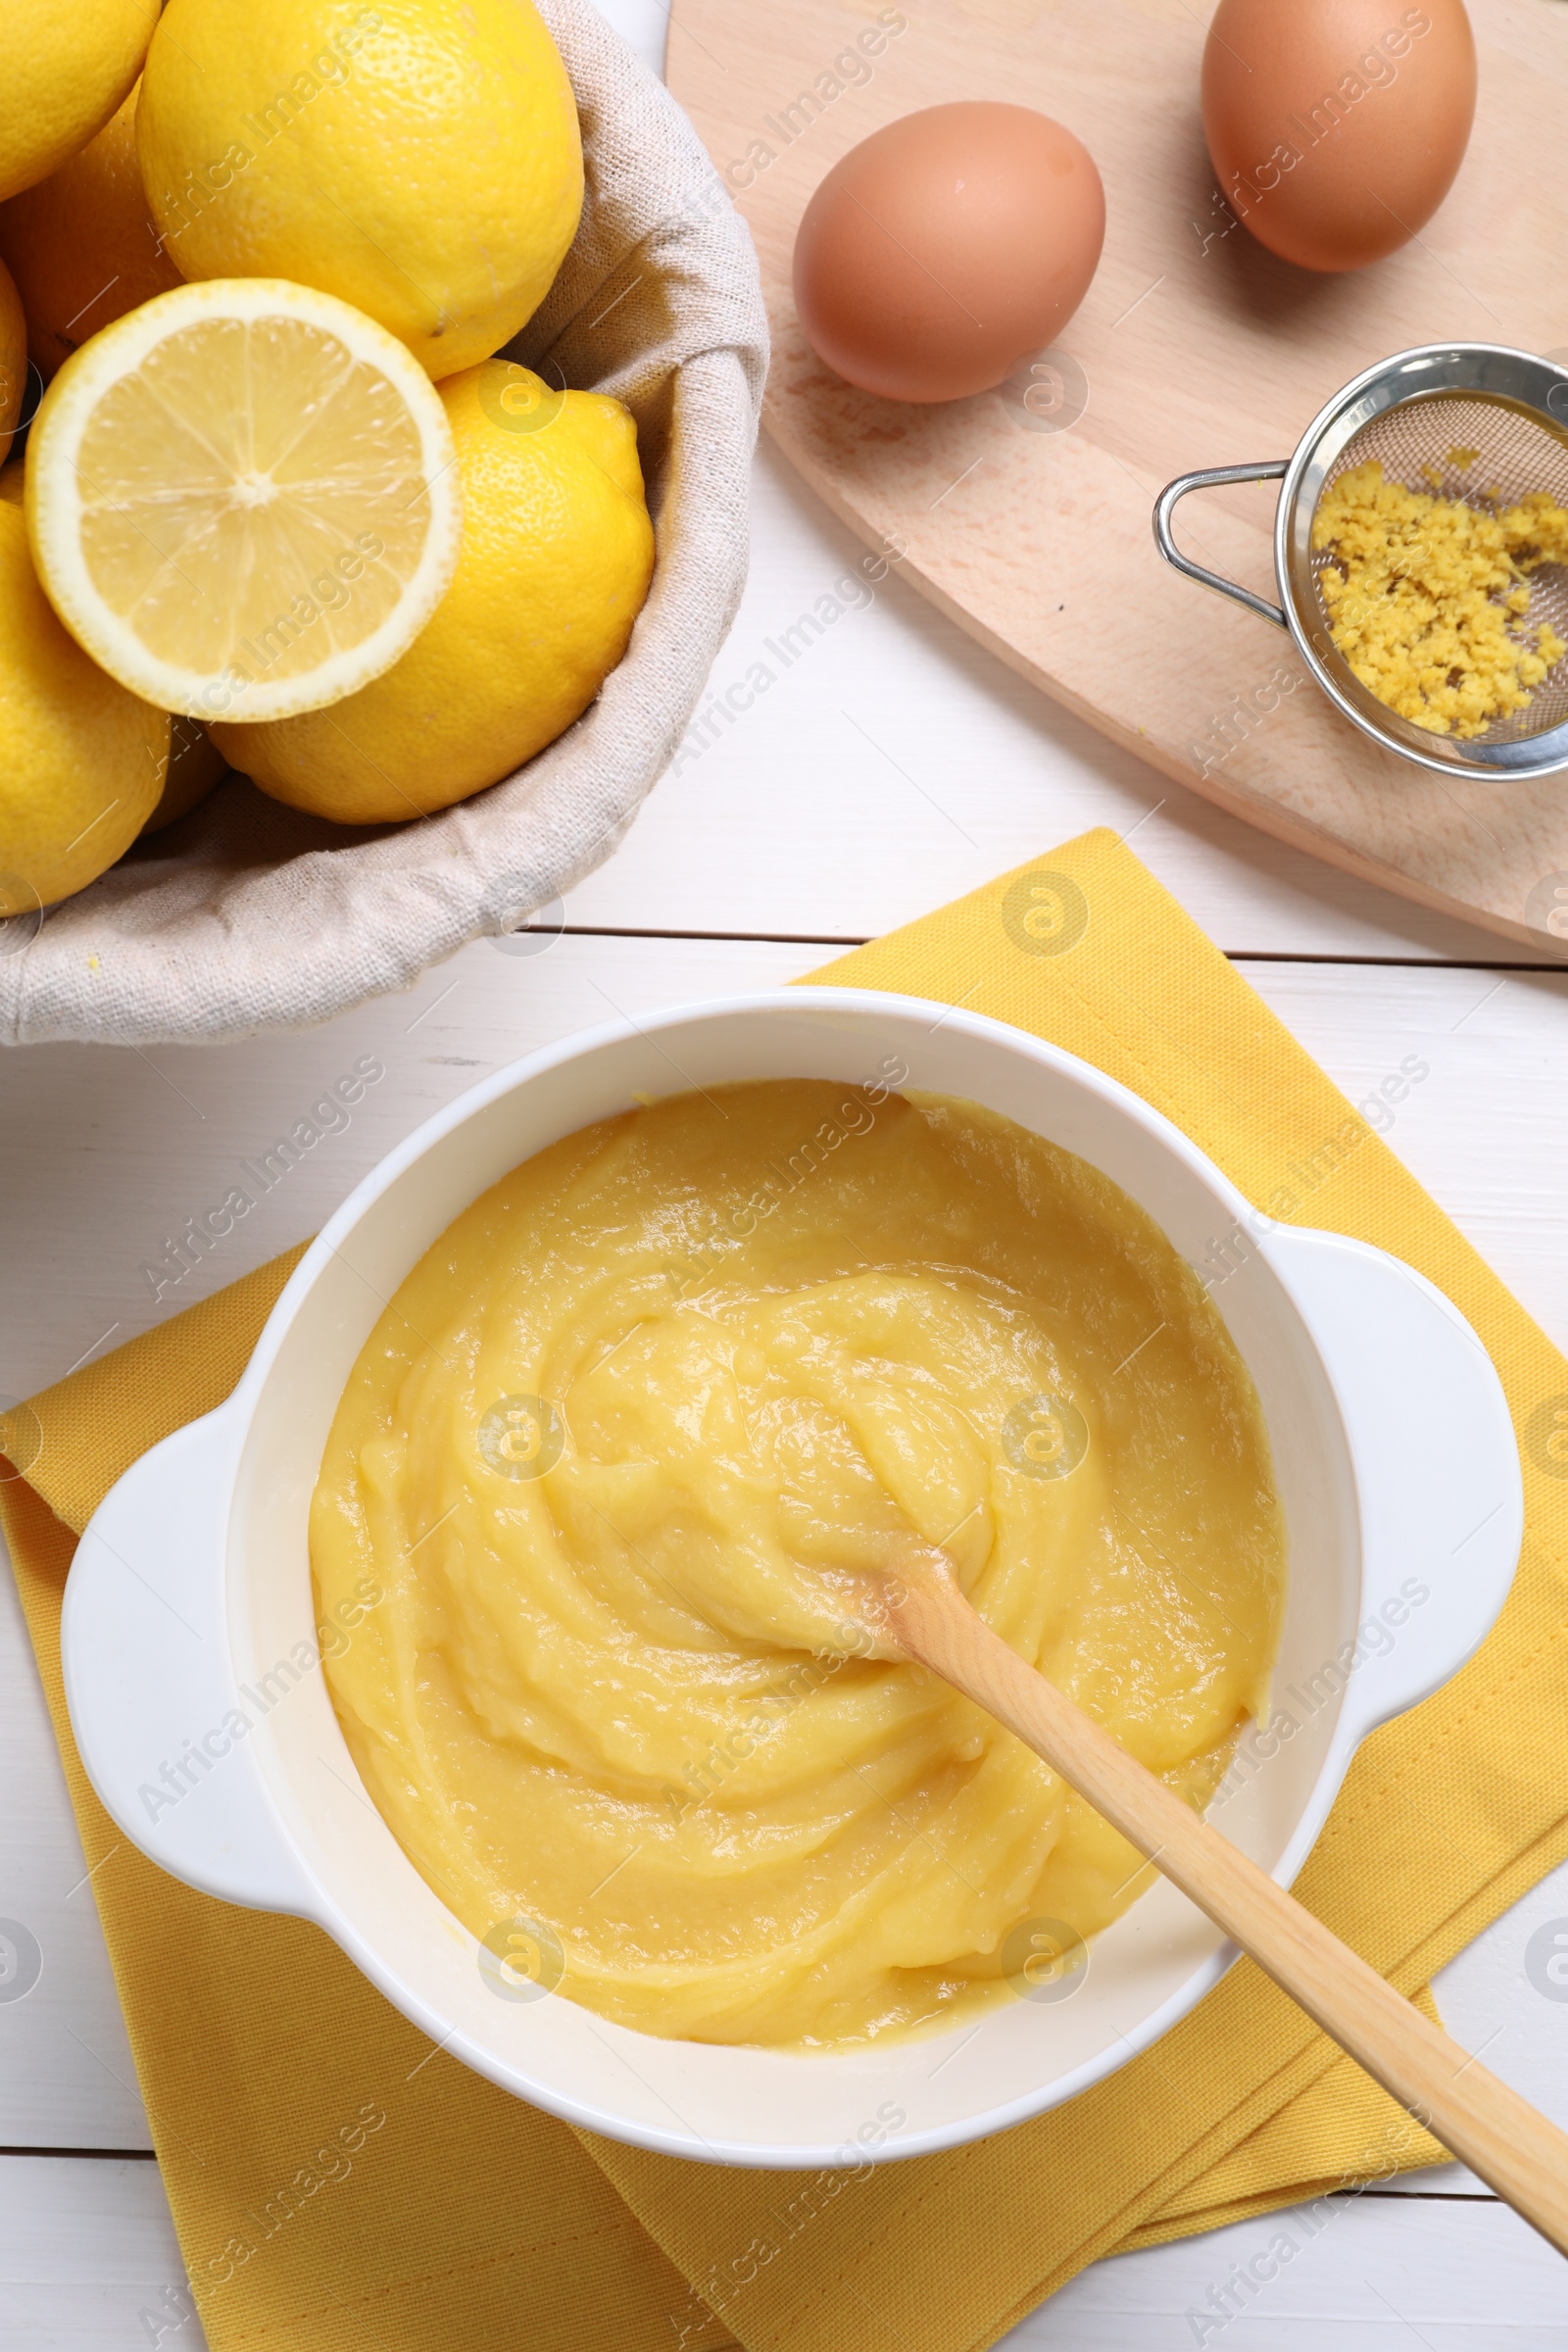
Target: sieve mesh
x,y
1517,454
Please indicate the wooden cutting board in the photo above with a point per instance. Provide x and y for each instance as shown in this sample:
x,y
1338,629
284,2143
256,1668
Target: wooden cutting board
x,y
1030,525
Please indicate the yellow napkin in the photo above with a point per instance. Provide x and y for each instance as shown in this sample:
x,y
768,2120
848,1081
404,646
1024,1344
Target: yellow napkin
x,y
339,2184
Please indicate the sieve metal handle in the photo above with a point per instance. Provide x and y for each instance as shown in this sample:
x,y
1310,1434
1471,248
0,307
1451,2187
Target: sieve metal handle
x,y
1215,477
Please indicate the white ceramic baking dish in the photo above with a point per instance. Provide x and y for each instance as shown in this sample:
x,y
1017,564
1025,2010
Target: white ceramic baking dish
x,y
188,1612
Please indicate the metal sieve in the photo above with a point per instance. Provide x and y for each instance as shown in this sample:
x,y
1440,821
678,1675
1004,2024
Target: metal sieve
x,y
1417,410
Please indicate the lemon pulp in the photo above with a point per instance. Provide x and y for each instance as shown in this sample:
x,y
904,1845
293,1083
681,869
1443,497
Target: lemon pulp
x,y
251,513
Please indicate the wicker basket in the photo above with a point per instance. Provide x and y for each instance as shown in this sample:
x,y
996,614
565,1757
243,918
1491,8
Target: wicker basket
x,y
247,915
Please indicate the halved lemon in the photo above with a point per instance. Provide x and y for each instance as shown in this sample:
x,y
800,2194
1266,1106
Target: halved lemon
x,y
243,499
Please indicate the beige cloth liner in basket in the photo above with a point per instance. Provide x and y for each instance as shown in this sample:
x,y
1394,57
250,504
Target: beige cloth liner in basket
x,y
248,915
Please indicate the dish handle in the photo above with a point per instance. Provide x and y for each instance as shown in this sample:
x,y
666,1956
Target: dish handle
x,y
150,1682
1214,478
1436,1463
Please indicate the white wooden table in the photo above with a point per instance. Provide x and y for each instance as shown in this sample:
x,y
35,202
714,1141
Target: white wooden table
x,y
894,770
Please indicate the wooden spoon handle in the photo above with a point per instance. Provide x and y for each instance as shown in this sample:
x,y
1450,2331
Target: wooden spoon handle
x,y
1497,2132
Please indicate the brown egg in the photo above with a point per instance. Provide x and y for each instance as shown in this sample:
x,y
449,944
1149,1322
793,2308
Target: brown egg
x,y
1336,127
945,247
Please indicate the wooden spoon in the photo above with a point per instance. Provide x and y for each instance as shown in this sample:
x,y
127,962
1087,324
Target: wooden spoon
x,y
918,1611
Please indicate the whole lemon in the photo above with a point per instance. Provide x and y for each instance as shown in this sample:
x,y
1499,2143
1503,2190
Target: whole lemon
x,y
68,65
82,762
13,360
196,766
558,551
82,246
419,158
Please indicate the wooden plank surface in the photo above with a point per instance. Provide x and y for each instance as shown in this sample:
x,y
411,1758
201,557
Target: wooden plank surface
x,y
893,767
89,2261
86,2249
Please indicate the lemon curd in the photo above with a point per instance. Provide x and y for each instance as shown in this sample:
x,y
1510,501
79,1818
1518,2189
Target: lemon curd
x,y
614,1453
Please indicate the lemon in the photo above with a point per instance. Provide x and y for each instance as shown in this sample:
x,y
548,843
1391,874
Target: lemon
x,y
419,158
82,762
68,64
243,499
82,246
195,766
557,555
13,360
